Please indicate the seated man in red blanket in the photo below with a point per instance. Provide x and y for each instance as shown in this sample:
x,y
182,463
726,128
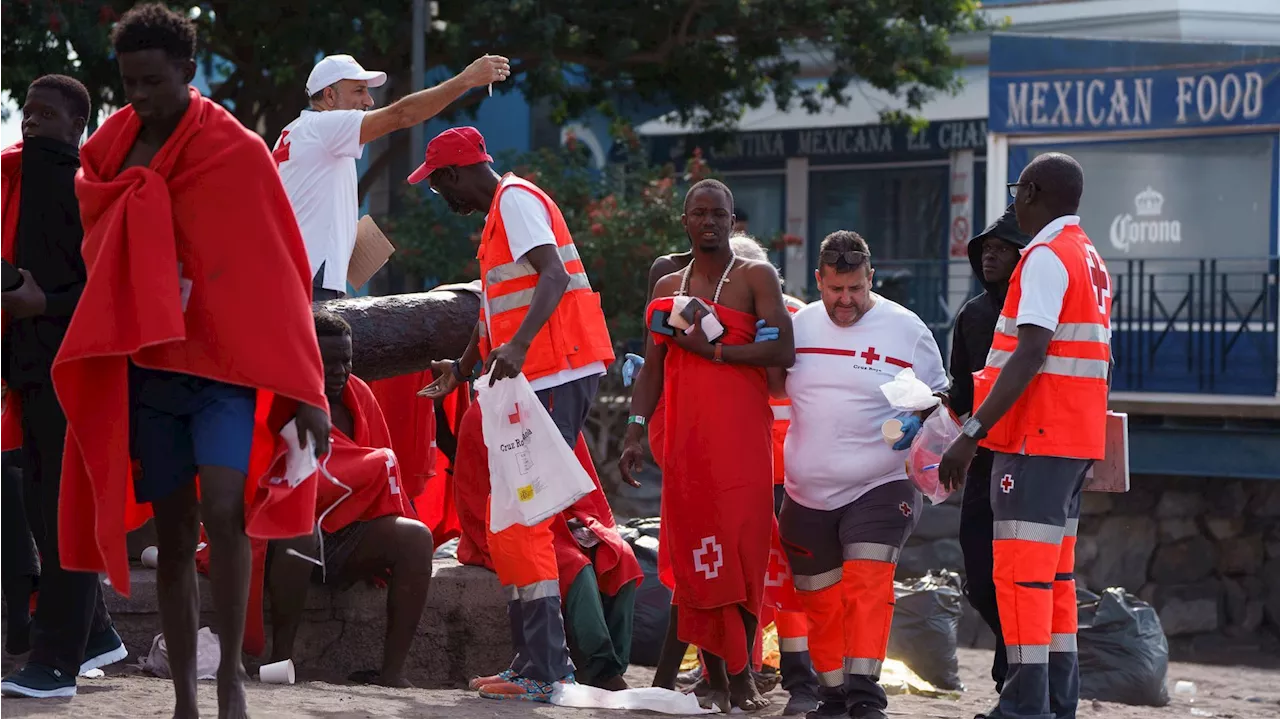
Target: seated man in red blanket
x,y
193,332
717,463
362,534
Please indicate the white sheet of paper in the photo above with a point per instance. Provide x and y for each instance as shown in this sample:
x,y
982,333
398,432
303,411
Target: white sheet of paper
x,y
300,463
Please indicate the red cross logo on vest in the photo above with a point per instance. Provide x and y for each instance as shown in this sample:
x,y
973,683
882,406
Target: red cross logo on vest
x,y
514,417
1099,277
905,509
870,355
1006,483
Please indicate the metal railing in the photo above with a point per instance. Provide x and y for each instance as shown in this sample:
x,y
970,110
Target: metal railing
x,y
1205,326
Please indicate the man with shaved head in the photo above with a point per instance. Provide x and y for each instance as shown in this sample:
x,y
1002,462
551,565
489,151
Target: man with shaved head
x,y
1042,409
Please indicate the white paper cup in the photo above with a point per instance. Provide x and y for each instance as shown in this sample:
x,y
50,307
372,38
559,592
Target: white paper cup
x,y
892,430
278,673
151,557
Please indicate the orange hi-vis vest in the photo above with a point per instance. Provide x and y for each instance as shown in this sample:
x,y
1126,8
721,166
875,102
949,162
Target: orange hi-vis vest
x,y
782,411
575,335
1063,412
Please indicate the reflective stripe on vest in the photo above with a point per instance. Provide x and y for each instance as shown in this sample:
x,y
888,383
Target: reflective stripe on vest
x,y
523,298
1068,366
781,412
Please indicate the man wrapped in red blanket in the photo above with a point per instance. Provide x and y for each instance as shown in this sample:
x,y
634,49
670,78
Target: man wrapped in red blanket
x,y
193,339
599,604
717,463
366,526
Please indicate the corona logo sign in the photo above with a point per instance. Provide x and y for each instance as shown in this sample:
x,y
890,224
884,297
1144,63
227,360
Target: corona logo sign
x,y
1148,227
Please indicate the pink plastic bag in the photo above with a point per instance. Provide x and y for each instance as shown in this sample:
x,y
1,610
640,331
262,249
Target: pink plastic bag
x,y
926,452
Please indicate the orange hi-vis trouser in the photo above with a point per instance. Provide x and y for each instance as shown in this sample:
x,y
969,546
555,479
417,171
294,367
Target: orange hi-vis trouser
x,y
842,562
1036,505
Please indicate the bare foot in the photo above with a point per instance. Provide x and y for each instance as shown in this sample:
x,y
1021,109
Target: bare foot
x,y
699,689
718,700
744,694
373,676
231,699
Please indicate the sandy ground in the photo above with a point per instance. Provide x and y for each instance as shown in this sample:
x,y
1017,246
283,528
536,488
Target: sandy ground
x,y
1222,691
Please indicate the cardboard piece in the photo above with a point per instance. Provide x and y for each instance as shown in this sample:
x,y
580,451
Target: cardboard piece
x,y
1112,474
371,252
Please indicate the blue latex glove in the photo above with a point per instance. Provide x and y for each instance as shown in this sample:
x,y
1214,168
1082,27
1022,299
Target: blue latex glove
x,y
632,365
765,334
910,428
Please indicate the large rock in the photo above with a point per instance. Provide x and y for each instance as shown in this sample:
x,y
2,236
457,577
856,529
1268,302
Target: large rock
x,y
1241,555
1267,501
1179,504
400,334
1243,614
1176,529
1125,544
1093,504
1228,499
1224,527
1271,581
1189,608
1187,561
939,522
1140,499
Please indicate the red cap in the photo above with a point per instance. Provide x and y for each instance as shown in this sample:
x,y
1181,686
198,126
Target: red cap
x,y
455,147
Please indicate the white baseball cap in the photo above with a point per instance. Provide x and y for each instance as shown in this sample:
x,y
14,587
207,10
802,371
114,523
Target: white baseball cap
x,y
340,67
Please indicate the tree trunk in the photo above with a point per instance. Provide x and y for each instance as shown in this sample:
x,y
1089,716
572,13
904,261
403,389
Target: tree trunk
x,y
400,334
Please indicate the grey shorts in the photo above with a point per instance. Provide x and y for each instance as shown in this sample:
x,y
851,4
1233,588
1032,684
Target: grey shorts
x,y
818,542
569,404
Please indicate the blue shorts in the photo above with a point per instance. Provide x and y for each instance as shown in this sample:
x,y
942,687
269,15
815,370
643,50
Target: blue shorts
x,y
178,422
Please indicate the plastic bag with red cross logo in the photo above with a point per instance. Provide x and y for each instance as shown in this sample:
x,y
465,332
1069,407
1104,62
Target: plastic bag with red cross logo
x,y
533,473
926,453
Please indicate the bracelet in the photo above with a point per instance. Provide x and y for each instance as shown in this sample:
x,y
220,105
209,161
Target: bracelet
x,y
718,355
636,419
457,373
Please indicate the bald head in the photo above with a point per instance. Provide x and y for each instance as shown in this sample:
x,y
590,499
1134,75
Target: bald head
x,y
1049,187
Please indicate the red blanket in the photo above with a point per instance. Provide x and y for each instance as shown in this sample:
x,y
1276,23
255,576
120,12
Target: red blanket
x,y
717,490
211,203
412,422
365,463
615,563
436,503
10,193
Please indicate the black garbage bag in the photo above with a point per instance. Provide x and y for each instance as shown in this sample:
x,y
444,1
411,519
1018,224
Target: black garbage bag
x,y
1124,655
653,600
925,621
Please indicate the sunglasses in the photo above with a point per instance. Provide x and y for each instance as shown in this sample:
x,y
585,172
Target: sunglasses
x,y
1013,187
848,257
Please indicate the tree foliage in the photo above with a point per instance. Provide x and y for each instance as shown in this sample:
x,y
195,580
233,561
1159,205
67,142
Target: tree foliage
x,y
706,59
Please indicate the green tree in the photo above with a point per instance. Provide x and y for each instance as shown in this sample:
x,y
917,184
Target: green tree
x,y
707,59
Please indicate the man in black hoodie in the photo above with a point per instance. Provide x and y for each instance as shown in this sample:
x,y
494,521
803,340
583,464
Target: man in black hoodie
x,y
993,255
72,632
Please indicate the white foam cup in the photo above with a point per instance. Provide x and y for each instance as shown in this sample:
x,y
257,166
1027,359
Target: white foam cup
x,y
151,557
892,430
278,673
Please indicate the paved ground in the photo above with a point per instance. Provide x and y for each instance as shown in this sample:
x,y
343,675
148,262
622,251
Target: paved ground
x,y
1222,691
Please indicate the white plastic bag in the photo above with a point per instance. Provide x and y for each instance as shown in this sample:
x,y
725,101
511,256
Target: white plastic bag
x,y
908,394
208,656
937,432
533,474
653,699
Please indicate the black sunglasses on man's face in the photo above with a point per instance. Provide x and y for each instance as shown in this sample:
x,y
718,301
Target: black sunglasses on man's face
x,y
1013,187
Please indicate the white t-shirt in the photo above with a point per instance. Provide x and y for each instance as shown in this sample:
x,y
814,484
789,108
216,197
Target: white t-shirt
x,y
317,154
1044,279
528,225
834,450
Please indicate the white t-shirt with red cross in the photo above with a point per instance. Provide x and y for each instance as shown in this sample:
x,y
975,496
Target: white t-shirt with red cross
x,y
835,452
316,155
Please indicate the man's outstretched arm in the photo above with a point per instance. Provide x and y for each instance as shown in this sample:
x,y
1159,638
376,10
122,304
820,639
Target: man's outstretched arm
x,y
423,105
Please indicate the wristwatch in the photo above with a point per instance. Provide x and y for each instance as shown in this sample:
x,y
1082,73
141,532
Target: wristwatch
x,y
973,429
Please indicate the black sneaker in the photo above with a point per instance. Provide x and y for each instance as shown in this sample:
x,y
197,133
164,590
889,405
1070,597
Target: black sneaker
x,y
103,648
38,682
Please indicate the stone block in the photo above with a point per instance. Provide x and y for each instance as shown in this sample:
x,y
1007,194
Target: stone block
x,y
1186,561
1179,504
1266,503
1125,545
1243,614
1189,608
1140,499
918,558
1241,555
938,522
1176,529
1228,499
1224,527
1086,552
1271,598
1273,550
1093,504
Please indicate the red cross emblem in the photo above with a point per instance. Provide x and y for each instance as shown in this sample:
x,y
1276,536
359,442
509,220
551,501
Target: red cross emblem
x,y
905,509
1006,483
514,417
1099,277
870,355
281,153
